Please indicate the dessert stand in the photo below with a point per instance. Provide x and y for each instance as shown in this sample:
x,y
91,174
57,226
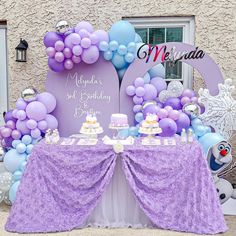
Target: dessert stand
x,y
92,134
150,139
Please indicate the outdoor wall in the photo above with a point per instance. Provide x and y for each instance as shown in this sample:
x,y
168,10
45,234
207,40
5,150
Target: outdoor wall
x,y
215,30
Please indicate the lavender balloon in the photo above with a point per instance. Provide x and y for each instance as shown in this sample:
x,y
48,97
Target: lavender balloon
x,y
67,52
130,90
68,64
48,100
51,38
59,57
90,55
102,35
137,108
50,51
174,114
159,83
188,93
150,92
59,46
21,104
137,100
72,39
21,126
151,109
84,25
36,111
51,122
86,43
9,116
16,134
183,122
139,82
140,91
162,113
174,103
55,66
77,50
185,100
168,127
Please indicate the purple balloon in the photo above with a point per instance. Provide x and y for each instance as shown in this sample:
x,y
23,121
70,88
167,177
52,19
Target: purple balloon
x,y
174,114
59,46
162,113
94,39
168,108
21,115
150,92
11,124
77,50
83,33
50,51
130,90
183,122
59,57
86,43
168,127
48,100
102,35
68,64
188,93
160,105
139,82
174,103
55,66
140,91
137,100
21,126
35,133
21,104
90,55
159,83
16,134
137,108
36,111
51,122
42,125
67,52
31,124
185,100
9,116
6,132
84,25
194,99
8,142
151,109
71,40
51,38
76,59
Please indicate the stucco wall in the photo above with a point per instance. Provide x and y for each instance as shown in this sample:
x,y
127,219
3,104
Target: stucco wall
x,y
215,30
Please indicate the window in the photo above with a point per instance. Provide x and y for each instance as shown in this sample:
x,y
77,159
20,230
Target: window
x,y
156,30
3,72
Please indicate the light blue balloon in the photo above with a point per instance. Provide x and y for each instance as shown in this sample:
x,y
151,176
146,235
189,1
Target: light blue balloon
x,y
123,32
35,141
139,117
21,148
122,50
138,39
200,130
196,122
129,57
15,142
124,133
157,71
29,148
133,131
121,73
17,175
23,165
13,191
118,61
103,46
108,55
210,139
113,45
13,160
146,78
26,139
131,47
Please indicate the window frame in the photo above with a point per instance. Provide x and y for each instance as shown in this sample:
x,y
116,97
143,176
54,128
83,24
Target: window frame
x,y
188,25
4,102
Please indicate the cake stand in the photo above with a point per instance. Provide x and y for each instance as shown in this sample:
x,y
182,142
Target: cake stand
x,y
150,132
117,128
92,134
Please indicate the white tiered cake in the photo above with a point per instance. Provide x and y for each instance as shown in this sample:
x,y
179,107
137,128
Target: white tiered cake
x,y
150,125
91,126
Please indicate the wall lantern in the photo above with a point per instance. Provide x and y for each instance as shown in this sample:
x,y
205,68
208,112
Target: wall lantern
x,y
21,51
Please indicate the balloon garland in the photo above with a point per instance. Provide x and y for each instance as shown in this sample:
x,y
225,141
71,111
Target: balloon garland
x,y
24,127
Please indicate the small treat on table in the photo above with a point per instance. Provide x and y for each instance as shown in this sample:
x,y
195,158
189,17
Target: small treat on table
x,y
119,121
150,125
91,126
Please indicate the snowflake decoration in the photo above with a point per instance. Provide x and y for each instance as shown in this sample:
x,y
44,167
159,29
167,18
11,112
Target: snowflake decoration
x,y
220,110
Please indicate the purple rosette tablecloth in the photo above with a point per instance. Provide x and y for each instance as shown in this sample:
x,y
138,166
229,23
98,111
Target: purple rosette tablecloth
x,y
63,184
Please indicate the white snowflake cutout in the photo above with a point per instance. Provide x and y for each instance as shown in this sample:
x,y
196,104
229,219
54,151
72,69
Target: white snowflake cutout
x,y
220,110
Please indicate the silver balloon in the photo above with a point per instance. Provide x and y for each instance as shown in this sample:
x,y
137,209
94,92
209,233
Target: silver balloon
x,y
29,94
192,109
175,88
6,198
6,181
2,153
164,95
62,26
1,196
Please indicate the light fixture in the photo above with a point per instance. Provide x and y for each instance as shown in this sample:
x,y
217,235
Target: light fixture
x,y
21,51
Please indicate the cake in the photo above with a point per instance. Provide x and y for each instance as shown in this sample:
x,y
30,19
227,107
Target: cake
x,y
150,125
91,126
119,121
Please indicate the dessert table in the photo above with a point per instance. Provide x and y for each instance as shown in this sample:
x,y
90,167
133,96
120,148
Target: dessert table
x,y
70,186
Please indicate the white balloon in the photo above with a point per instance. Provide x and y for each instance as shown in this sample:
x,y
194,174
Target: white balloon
x,y
5,181
1,196
164,95
175,88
